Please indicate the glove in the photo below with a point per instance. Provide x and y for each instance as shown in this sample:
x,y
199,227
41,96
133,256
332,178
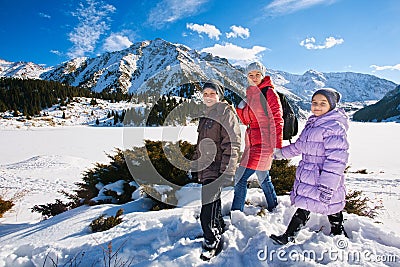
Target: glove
x,y
326,194
278,154
227,180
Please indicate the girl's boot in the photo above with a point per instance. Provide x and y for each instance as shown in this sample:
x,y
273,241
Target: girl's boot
x,y
298,220
336,221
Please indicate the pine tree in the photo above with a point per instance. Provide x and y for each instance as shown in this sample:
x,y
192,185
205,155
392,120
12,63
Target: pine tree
x,y
116,118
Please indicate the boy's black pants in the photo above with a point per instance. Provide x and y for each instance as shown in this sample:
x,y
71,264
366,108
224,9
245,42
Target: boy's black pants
x,y
211,219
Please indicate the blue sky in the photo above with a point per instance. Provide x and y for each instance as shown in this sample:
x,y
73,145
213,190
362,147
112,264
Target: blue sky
x,y
289,35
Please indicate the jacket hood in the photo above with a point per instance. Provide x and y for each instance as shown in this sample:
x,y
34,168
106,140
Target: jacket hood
x,y
337,114
266,81
219,107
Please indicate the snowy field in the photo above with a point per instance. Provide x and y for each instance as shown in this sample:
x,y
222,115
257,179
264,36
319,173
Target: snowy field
x,y
40,161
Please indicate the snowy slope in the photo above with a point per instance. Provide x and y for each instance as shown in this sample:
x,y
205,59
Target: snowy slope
x,y
78,112
169,237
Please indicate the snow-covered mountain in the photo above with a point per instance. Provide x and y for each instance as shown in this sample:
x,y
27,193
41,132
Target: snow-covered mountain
x,y
160,66
353,86
388,108
23,70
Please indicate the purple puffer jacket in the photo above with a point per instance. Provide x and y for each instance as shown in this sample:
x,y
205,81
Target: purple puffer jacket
x,y
324,149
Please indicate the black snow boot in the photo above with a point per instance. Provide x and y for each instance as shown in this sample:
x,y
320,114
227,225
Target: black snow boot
x,y
282,239
336,221
298,220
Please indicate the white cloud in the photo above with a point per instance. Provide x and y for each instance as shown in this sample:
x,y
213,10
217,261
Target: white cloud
x,y
93,22
168,11
43,15
210,30
380,68
234,52
116,42
330,42
280,7
238,31
56,52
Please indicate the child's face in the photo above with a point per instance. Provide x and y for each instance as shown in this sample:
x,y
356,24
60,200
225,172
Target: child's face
x,y
210,97
319,105
254,77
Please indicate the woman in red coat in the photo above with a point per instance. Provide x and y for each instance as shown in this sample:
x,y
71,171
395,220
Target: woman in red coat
x,y
263,117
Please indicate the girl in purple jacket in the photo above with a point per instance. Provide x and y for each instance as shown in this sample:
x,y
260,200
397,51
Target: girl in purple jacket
x,y
319,184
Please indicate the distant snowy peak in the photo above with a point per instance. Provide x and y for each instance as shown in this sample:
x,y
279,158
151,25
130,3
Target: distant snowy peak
x,y
23,70
353,86
131,68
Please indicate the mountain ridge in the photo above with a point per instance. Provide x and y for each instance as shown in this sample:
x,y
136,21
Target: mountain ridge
x,y
386,109
160,66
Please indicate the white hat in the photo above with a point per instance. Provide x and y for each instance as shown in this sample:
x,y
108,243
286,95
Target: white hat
x,y
256,66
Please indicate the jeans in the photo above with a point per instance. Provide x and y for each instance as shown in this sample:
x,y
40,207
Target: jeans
x,y
241,177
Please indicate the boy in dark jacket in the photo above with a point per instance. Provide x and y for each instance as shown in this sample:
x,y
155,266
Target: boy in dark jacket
x,y
215,160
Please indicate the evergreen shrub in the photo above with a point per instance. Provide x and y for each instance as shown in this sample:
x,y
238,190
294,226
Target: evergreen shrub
x,y
283,173
53,209
361,205
103,223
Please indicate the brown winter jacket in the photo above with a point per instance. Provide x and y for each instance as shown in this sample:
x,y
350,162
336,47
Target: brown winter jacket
x,y
218,142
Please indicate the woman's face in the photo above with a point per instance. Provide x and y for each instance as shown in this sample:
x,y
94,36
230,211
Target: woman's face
x,y
254,77
319,105
210,97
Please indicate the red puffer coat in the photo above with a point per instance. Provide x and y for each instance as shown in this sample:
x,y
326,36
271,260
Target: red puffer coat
x,y
264,133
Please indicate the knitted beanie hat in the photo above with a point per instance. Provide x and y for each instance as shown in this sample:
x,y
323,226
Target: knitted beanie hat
x,y
216,86
331,94
256,66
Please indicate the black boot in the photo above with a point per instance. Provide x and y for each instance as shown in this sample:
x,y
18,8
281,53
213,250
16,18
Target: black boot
x,y
282,239
298,220
336,221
